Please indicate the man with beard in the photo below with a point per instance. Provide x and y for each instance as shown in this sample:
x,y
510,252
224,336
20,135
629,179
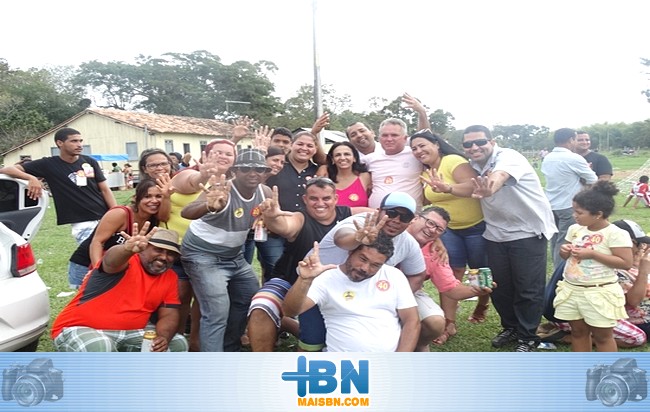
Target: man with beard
x,y
117,299
367,306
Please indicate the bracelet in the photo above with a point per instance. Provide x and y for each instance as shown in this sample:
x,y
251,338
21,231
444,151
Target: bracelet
x,y
207,206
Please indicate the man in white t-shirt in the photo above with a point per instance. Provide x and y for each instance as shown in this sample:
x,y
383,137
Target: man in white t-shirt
x,y
367,306
394,168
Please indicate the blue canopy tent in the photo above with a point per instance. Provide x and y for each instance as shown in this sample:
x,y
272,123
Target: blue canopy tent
x,y
110,157
114,179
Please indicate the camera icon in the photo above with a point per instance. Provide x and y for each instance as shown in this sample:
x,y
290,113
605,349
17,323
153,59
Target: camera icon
x,y
615,384
30,385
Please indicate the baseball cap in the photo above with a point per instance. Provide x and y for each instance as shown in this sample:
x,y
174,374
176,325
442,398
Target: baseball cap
x,y
250,158
398,199
633,228
166,239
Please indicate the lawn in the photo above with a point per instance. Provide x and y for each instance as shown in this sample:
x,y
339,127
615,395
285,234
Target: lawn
x,y
53,245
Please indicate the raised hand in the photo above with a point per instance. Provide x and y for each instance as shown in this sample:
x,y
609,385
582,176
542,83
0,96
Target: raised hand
x,y
482,187
367,232
413,103
242,127
311,266
138,242
270,207
262,138
164,183
217,192
435,181
322,122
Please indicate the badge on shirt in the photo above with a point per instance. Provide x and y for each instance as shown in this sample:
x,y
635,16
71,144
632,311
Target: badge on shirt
x,y
388,180
348,295
256,211
239,212
80,178
353,197
89,172
383,285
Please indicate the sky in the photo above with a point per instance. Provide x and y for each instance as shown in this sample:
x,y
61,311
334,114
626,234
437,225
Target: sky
x,y
552,63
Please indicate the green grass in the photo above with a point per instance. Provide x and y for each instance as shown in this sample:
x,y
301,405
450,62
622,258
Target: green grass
x,y
54,245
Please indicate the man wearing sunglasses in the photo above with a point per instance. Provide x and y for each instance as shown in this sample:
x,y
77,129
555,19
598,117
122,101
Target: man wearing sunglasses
x,y
396,212
519,223
212,253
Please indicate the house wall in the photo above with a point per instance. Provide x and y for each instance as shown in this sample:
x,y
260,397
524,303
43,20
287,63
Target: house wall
x,y
107,136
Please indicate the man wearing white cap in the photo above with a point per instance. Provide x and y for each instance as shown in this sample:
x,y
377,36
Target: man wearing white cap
x,y
396,211
117,299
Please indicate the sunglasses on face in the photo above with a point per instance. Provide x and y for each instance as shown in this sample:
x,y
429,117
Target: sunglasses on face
x,y
248,169
403,217
478,142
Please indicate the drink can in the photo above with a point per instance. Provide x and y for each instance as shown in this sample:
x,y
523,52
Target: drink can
x,y
473,277
147,340
261,234
485,277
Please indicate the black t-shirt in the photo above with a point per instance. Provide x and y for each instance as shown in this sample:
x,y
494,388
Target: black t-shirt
x,y
295,251
291,185
74,186
599,164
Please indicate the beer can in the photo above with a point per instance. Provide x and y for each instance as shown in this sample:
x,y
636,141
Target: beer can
x,y
473,277
147,340
485,277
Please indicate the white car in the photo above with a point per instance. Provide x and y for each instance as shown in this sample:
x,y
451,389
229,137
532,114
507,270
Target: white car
x,y
24,300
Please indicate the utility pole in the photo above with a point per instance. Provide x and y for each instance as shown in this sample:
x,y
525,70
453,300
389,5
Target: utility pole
x,y
318,99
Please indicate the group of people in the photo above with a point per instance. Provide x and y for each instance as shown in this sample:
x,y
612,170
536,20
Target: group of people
x,y
345,239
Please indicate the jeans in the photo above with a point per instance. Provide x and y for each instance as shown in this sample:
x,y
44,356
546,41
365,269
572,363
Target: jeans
x,y
76,274
563,219
224,288
466,246
519,270
267,254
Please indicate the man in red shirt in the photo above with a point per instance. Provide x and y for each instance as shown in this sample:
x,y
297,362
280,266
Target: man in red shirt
x,y
118,297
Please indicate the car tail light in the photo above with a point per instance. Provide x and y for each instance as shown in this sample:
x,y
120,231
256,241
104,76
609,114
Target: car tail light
x,y
23,262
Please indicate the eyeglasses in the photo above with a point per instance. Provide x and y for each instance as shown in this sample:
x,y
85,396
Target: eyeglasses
x,y
478,142
157,165
321,180
433,225
403,217
248,169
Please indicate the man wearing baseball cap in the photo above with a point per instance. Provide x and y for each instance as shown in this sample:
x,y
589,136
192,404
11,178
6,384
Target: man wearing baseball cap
x,y
118,297
395,213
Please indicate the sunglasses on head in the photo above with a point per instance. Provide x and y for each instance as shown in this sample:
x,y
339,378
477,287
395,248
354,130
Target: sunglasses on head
x,y
478,142
322,180
403,217
248,169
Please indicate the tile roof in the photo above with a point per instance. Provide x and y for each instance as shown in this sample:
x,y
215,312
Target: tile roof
x,y
163,123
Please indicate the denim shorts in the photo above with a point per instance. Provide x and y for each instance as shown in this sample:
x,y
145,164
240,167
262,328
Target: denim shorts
x,y
466,247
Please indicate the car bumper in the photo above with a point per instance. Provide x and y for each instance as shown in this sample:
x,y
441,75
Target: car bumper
x,y
24,311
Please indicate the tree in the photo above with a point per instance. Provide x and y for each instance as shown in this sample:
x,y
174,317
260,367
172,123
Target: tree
x,y
299,110
33,101
522,137
193,84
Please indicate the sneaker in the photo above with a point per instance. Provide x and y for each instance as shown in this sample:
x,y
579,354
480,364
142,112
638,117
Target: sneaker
x,y
525,346
504,337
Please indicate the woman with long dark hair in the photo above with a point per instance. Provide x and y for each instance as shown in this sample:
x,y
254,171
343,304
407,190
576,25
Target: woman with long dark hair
x,y
351,177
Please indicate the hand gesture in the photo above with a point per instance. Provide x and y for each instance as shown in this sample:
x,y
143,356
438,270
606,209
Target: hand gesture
x,y
164,183
217,192
263,138
138,242
270,208
482,187
320,123
435,181
208,165
367,232
241,128
413,104
310,267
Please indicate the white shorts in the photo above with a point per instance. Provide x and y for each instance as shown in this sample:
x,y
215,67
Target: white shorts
x,y
427,306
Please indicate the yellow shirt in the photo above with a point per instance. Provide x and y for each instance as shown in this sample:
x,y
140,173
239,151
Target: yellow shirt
x,y
464,211
176,222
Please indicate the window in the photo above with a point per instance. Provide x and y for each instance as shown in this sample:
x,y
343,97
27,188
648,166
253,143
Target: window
x,y
132,150
186,148
202,145
169,146
55,150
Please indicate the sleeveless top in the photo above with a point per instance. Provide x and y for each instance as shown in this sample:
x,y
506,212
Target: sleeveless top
x,y
354,195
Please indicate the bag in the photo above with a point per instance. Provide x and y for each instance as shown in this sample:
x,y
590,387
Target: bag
x,y
549,293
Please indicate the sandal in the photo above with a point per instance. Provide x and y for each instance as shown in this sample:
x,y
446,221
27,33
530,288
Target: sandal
x,y
480,313
442,339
